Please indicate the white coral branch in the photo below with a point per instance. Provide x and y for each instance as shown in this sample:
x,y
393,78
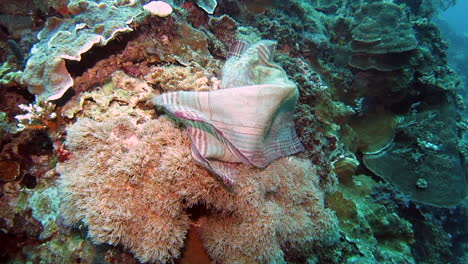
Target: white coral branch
x,y
37,115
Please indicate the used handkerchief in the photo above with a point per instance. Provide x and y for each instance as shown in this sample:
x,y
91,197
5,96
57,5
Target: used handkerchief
x,y
249,120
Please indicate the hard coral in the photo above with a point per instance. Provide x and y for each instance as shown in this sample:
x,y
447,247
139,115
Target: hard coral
x,y
123,94
208,5
426,148
40,115
66,39
158,8
382,28
178,78
381,37
375,131
131,184
375,230
224,28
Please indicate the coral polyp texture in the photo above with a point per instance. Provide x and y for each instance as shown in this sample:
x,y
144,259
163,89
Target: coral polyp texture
x,y
131,184
93,170
276,213
380,38
130,202
90,24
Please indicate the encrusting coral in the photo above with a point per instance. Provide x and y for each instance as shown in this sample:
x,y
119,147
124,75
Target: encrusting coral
x,y
179,78
132,184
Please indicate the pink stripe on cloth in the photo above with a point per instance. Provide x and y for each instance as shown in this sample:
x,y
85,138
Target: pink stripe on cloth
x,y
250,124
237,48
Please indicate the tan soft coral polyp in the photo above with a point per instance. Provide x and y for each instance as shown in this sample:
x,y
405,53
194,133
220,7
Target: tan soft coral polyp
x,y
131,183
111,186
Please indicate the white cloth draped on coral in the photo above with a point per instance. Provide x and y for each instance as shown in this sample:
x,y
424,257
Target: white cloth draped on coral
x,y
248,121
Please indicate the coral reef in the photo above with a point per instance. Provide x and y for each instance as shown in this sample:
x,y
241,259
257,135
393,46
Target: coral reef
x,y
382,178
381,38
122,90
291,226
69,38
9,77
10,170
38,116
158,8
5,124
375,132
138,210
162,182
376,230
178,78
419,155
207,5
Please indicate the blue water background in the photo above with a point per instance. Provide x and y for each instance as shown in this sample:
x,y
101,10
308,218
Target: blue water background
x,y
457,16
456,35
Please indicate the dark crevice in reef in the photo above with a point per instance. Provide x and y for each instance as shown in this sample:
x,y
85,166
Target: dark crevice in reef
x,y
404,106
29,181
196,211
65,97
12,244
41,145
97,53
